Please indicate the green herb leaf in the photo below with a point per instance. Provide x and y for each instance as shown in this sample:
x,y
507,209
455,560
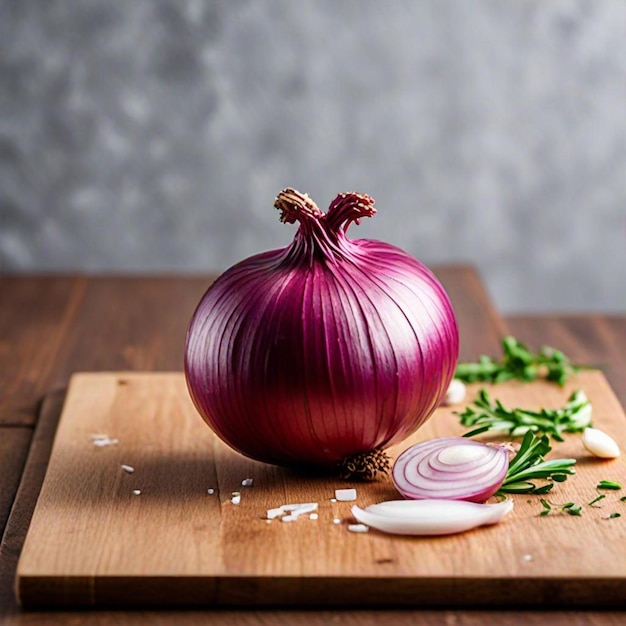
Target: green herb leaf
x,y
575,509
518,362
600,497
486,415
529,464
547,507
608,484
614,515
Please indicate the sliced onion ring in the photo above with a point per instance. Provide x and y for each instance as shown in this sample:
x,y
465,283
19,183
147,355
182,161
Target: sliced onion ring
x,y
450,468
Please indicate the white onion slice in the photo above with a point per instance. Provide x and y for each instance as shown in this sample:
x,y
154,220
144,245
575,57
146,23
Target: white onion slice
x,y
430,517
450,468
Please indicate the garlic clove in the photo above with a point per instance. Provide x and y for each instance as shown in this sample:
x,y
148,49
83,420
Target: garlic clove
x,y
600,444
456,393
430,517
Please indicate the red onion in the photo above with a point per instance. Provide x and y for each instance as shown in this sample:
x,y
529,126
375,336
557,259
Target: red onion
x,y
325,349
450,468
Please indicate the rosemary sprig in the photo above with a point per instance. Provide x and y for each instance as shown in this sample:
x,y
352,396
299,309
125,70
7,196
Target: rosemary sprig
x,y
519,363
529,464
575,416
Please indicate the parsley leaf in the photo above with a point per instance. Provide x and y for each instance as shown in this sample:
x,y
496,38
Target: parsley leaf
x,y
519,363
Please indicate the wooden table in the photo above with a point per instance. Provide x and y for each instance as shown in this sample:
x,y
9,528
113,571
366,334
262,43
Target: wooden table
x,y
52,326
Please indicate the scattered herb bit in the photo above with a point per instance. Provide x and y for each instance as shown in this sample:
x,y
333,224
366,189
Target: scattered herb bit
x,y
529,464
608,484
614,515
574,509
519,363
575,416
623,499
569,507
547,507
600,497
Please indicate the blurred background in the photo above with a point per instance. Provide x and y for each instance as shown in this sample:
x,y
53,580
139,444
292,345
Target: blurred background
x,y
152,136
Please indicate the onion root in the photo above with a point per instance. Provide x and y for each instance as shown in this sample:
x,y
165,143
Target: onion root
x,y
365,466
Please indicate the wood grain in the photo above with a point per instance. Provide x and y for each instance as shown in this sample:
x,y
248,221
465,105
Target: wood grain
x,y
93,543
480,327
24,505
12,615
54,326
14,443
36,316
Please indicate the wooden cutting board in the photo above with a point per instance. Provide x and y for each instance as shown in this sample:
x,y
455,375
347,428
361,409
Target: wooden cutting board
x,y
92,542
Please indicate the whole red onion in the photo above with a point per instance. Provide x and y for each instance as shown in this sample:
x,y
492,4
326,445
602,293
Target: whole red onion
x,y
326,349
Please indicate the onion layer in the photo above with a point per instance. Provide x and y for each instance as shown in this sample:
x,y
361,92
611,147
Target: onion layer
x,y
430,517
450,468
325,349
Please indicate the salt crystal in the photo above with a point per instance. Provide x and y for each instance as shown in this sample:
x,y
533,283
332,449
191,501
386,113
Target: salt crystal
x,y
313,516
102,440
294,511
128,469
345,495
333,500
358,528
136,492
528,557
210,491
236,498
337,521
289,518
247,482
274,513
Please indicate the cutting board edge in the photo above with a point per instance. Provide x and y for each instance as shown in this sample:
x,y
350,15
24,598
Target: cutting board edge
x,y
82,592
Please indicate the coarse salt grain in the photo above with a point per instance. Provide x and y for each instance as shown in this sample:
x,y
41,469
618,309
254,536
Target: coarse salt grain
x,y
358,528
247,482
337,521
210,491
345,495
528,557
313,516
333,500
136,492
236,498
293,511
129,469
102,440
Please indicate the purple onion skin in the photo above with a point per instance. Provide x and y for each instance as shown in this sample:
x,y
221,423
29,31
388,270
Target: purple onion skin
x,y
324,349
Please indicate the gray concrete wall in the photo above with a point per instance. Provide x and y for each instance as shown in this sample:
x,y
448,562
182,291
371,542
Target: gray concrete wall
x,y
153,135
